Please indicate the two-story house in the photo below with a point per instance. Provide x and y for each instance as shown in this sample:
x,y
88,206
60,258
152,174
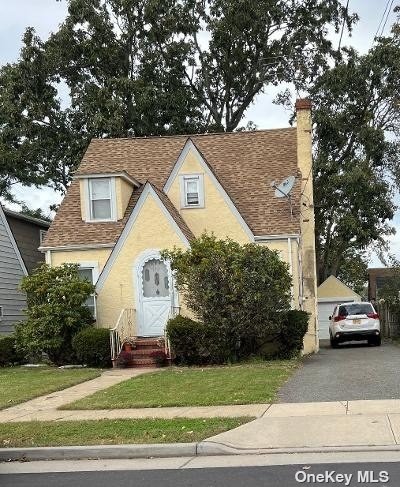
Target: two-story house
x,y
131,198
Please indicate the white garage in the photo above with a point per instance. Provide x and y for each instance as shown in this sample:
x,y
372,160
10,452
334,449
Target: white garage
x,y
330,293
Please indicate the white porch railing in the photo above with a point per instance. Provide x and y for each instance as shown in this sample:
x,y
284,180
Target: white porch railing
x,y
124,328
174,311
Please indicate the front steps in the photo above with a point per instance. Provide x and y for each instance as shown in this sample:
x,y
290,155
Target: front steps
x,y
140,352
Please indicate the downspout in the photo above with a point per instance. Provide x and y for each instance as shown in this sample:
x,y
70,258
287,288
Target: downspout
x,y
289,241
300,261
48,257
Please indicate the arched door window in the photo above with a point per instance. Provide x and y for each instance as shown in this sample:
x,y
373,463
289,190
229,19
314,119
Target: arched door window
x,y
155,279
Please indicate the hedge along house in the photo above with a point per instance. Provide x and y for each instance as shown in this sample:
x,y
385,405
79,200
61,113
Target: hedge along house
x,y
131,198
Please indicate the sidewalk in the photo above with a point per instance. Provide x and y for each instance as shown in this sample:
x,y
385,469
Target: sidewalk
x,y
288,426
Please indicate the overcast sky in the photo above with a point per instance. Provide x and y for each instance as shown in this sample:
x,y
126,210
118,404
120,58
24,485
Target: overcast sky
x,y
46,15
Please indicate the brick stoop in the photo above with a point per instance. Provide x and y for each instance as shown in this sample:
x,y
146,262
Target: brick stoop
x,y
146,352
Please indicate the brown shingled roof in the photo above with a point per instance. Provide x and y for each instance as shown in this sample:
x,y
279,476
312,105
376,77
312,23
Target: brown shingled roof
x,y
245,163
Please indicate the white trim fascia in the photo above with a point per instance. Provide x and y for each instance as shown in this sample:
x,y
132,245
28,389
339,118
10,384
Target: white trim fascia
x,y
346,299
71,248
113,202
12,240
191,146
121,175
148,190
283,236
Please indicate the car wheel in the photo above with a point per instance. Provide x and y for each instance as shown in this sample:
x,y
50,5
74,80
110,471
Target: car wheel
x,y
378,341
334,343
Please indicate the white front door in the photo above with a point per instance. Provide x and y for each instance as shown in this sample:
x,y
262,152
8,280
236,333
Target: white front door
x,y
154,293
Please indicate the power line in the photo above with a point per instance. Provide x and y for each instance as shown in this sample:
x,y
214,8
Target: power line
x,y
344,20
387,16
380,22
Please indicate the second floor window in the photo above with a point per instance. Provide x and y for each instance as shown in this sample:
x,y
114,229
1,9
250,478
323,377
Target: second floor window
x,y
192,191
100,199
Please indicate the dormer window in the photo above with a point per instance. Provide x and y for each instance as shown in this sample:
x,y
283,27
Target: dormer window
x,y
192,191
101,195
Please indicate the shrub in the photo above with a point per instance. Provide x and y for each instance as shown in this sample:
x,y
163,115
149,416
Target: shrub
x,y
56,311
8,351
92,347
294,327
194,343
238,291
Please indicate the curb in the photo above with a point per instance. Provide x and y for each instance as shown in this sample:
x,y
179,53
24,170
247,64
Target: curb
x,y
204,448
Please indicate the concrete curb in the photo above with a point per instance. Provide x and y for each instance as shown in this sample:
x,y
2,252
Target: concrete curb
x,y
204,448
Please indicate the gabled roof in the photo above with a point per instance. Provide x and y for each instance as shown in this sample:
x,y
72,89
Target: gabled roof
x,y
245,164
333,287
20,216
4,222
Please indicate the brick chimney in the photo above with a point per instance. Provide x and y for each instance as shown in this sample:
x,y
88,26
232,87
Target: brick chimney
x,y
307,226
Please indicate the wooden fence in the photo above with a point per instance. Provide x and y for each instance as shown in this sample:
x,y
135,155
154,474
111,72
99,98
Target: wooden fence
x,y
390,321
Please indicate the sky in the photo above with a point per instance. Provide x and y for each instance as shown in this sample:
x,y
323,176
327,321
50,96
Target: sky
x,y
46,15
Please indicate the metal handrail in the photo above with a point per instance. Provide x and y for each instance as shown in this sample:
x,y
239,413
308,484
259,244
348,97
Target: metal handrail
x,y
124,328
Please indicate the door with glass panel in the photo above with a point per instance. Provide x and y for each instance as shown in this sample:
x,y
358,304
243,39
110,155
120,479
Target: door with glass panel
x,y
155,297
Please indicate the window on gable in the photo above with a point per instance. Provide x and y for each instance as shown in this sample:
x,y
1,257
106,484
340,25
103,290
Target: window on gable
x,y
100,199
87,273
42,235
192,191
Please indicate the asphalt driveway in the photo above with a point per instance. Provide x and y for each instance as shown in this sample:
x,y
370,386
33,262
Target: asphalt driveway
x,y
349,373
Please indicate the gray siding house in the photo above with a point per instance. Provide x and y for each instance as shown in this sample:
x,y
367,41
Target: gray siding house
x,y
19,239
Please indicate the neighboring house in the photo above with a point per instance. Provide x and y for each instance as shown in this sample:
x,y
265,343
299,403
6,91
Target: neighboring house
x,y
131,198
29,234
20,237
330,293
378,278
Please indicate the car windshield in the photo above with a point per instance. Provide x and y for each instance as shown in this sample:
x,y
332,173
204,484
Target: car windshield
x,y
355,309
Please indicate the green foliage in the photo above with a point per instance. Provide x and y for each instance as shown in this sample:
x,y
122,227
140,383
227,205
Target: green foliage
x,y
193,342
56,311
237,291
137,68
8,351
92,347
293,328
356,159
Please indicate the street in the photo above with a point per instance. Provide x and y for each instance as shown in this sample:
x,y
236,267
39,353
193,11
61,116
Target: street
x,y
283,475
236,471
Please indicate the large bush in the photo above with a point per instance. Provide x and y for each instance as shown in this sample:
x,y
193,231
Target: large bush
x,y
193,342
291,334
239,292
56,311
92,347
8,352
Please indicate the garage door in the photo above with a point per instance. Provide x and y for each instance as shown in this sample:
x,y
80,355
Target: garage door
x,y
325,310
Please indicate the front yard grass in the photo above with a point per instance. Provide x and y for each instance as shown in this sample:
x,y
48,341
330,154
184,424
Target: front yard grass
x,y
210,386
113,432
19,384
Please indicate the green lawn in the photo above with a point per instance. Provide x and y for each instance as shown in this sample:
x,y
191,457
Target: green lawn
x,y
113,432
239,384
19,384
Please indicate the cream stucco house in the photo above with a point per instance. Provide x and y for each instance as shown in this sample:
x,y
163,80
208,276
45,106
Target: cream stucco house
x,y
131,198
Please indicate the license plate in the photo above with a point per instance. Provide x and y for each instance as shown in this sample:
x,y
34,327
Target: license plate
x,y
357,322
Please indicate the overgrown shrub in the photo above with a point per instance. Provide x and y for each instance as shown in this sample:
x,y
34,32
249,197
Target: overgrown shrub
x,y
239,292
186,337
294,327
92,347
8,351
56,311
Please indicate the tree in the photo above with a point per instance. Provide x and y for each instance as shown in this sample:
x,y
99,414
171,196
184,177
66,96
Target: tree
x,y
241,291
56,311
35,213
356,162
135,67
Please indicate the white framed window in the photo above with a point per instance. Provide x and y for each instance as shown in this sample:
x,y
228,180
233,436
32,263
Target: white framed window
x,y
101,199
89,271
42,236
192,191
